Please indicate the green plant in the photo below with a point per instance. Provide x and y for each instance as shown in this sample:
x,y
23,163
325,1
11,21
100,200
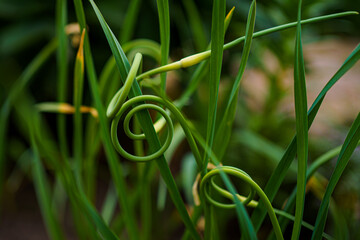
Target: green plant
x,y
70,163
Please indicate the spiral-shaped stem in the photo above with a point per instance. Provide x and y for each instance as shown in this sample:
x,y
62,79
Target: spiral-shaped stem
x,y
208,182
118,107
131,135
136,101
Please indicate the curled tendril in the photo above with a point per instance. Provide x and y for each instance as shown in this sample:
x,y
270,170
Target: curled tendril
x,y
131,135
208,182
225,193
118,107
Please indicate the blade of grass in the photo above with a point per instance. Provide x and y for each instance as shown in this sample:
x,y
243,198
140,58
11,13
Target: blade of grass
x,y
164,22
115,167
14,93
195,24
290,202
341,226
223,132
346,151
217,42
43,192
128,26
61,19
301,127
76,195
326,157
278,175
109,205
78,94
78,132
26,112
146,123
200,71
170,152
46,146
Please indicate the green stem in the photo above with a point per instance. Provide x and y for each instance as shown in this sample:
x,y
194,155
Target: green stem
x,y
245,177
14,93
115,167
62,67
196,58
77,98
164,22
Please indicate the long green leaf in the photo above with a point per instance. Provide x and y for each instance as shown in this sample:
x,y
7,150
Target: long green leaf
x,y
115,167
62,67
200,71
46,146
278,175
290,202
42,188
346,151
78,94
195,24
146,123
128,25
223,133
64,172
14,93
164,20
217,41
301,127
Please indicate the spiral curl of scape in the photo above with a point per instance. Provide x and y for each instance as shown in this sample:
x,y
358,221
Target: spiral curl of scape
x,y
208,182
118,107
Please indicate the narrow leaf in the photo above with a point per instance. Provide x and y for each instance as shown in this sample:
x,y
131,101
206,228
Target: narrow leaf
x,y
278,175
217,41
301,127
42,188
78,94
62,67
223,133
347,150
164,20
114,166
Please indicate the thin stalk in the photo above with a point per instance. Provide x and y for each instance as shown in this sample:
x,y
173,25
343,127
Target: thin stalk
x,y
320,161
217,42
129,22
197,58
62,67
347,150
78,93
301,128
14,93
115,167
43,192
164,22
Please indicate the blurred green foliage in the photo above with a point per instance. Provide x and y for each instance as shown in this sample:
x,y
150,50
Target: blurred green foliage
x,y
259,137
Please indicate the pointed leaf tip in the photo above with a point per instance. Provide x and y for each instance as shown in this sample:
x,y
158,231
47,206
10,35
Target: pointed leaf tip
x,y
80,53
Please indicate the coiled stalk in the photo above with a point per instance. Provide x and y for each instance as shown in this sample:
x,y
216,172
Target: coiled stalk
x,y
118,107
208,182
